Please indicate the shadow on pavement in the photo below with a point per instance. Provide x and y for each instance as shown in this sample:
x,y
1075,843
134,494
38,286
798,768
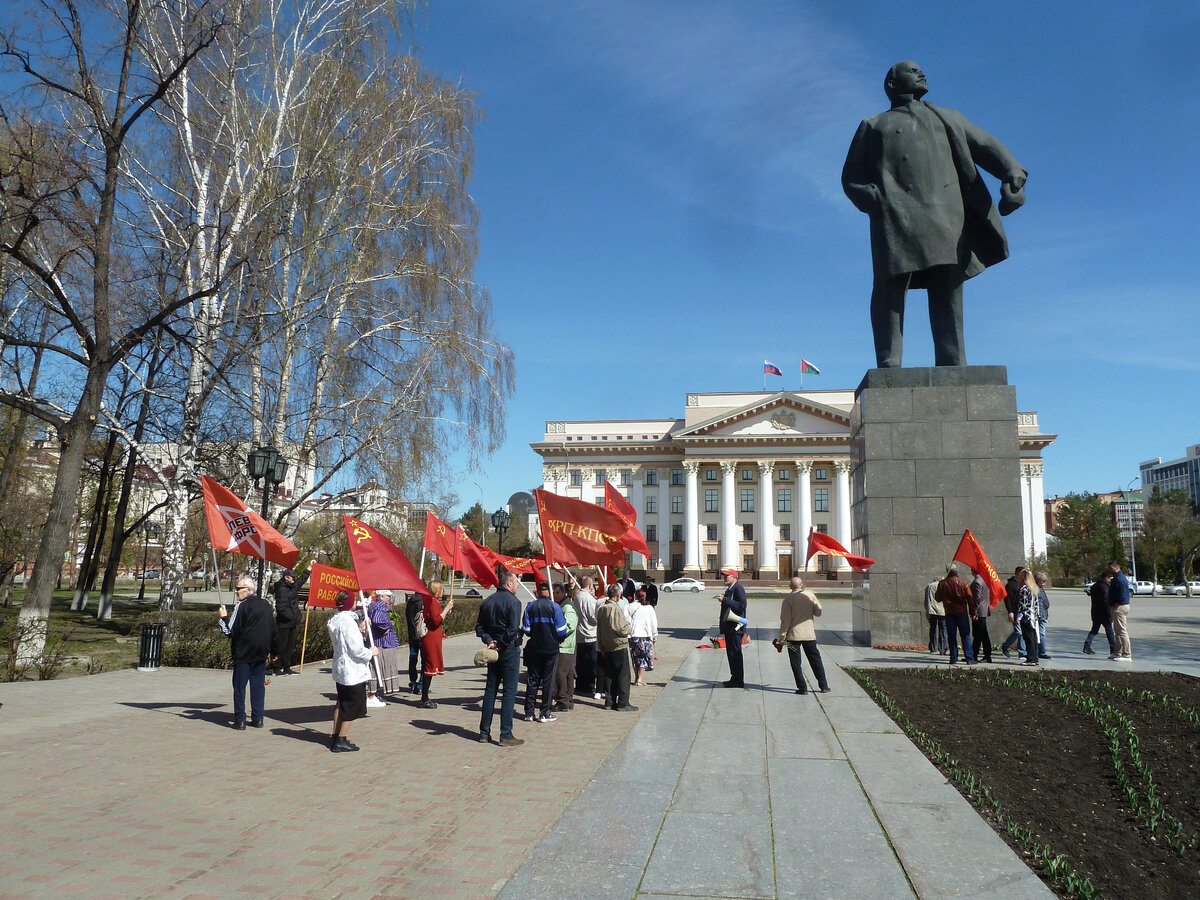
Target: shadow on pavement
x,y
436,728
213,713
307,735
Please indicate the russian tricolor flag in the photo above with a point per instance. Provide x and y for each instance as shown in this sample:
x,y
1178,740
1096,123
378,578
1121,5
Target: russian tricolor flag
x,y
769,368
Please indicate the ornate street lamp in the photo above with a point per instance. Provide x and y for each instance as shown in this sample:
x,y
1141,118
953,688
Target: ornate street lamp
x,y
148,531
268,465
501,520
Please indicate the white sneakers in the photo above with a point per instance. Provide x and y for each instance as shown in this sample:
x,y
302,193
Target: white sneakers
x,y
375,703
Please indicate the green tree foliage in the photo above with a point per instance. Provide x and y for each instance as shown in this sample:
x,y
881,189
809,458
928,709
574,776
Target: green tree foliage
x,y
1170,538
1085,537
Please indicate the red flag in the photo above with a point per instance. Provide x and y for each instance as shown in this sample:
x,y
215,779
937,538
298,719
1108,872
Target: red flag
x,y
325,582
518,565
576,532
823,543
970,553
378,563
615,501
439,537
470,558
234,527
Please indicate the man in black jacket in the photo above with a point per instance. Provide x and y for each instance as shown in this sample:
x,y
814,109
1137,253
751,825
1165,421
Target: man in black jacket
x,y
1011,590
253,638
733,601
499,627
1101,614
287,617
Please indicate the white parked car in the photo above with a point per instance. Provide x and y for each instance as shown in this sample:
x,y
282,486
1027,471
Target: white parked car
x,y
1181,589
1145,587
684,584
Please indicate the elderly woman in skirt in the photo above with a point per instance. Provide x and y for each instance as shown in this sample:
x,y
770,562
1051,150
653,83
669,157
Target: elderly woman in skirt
x,y
642,637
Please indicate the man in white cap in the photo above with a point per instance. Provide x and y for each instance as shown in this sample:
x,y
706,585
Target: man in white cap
x,y
733,601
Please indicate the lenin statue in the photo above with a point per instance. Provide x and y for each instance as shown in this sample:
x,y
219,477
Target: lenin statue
x,y
914,170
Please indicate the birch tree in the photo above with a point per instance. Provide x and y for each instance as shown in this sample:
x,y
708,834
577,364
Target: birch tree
x,y
86,87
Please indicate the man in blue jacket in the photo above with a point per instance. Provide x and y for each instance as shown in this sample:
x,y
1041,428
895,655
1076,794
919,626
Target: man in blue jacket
x,y
499,627
546,628
732,628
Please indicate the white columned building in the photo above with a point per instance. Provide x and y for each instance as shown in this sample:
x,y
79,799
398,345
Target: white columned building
x,y
786,451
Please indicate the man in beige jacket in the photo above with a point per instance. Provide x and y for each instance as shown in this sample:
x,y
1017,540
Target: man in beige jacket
x,y
796,630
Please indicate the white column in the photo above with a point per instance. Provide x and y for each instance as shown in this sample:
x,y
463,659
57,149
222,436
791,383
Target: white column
x,y
637,498
691,527
664,517
803,509
766,518
1033,517
842,467
729,538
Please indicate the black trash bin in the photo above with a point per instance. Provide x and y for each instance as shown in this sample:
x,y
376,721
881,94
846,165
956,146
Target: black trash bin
x,y
152,641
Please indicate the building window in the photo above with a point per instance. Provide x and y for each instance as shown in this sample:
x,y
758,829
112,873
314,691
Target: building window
x,y
576,477
821,500
747,532
676,562
601,477
710,500
748,563
821,474
785,532
676,503
710,474
822,529
626,476
677,476
712,562
785,500
747,474
651,533
651,504
677,533
785,474
710,532
652,476
747,499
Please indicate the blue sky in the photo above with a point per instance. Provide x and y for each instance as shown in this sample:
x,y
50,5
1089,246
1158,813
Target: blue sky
x,y
661,207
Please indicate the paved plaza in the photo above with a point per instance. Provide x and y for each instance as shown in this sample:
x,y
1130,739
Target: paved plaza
x,y
132,784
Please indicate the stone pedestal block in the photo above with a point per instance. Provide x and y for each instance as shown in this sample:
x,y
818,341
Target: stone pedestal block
x,y
934,452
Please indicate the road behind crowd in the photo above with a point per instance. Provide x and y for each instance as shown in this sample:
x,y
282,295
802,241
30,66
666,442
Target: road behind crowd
x,y
131,784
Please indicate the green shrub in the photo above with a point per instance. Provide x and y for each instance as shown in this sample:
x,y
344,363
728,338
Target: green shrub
x,y
194,640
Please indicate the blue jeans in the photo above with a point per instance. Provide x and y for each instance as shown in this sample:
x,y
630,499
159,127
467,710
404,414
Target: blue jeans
x,y
256,675
505,672
1097,624
1015,639
959,624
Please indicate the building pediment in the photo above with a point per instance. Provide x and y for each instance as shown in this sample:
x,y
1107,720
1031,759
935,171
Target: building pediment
x,y
782,415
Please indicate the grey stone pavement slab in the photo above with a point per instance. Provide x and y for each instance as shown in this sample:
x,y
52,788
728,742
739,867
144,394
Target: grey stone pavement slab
x,y
132,784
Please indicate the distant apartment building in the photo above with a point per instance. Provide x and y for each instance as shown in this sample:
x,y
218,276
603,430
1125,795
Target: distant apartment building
x,y
1182,474
1126,508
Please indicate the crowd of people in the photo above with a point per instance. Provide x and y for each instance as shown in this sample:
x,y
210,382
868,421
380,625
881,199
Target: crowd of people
x,y
958,610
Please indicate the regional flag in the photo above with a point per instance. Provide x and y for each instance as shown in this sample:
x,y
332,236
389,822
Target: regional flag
x,y
823,543
470,558
378,563
769,368
971,554
439,537
807,368
325,582
578,533
234,527
633,539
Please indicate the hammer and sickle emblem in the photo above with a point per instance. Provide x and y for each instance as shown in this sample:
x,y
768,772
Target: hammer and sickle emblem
x,y
360,533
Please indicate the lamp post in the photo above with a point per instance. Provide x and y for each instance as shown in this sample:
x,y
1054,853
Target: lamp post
x,y
501,520
148,531
1132,528
482,516
266,463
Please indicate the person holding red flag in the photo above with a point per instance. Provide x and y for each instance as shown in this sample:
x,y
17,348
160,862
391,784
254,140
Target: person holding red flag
x,y
351,671
253,639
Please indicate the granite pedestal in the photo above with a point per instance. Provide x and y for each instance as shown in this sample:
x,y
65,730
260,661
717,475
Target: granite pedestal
x,y
934,452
